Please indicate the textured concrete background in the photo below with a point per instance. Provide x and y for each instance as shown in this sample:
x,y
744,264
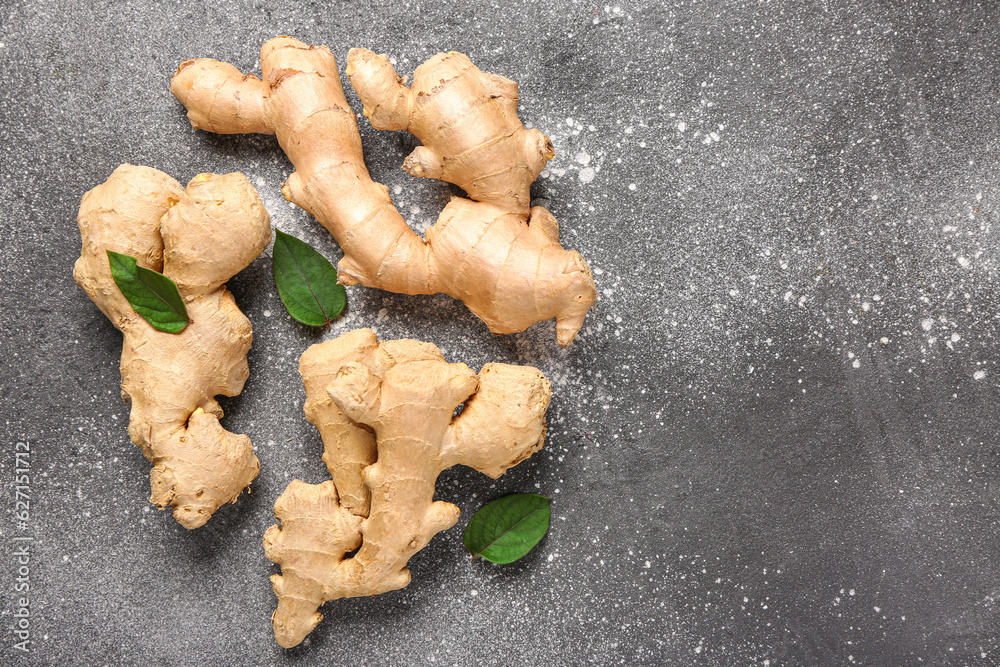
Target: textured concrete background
x,y
776,444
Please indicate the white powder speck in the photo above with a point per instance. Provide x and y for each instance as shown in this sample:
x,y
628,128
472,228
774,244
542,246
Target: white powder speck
x,y
964,262
587,174
583,158
473,592
927,324
697,649
682,126
631,186
979,375
267,313
883,340
850,592
876,609
955,338
648,564
397,189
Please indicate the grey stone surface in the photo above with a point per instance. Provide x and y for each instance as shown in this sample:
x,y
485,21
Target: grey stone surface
x,y
775,444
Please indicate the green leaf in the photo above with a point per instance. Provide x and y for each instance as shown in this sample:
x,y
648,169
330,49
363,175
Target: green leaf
x,y
508,528
307,281
152,294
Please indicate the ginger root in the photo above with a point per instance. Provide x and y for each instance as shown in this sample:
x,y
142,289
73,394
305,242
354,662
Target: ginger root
x,y
507,267
466,120
200,237
386,414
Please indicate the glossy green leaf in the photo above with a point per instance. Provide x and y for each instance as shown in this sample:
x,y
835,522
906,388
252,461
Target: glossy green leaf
x,y
152,294
307,281
508,528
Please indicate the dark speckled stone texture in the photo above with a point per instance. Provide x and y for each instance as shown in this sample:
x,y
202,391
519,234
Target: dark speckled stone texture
x,y
775,444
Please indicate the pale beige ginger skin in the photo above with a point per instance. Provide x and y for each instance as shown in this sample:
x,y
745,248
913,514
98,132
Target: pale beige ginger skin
x,y
200,237
509,269
349,448
467,122
386,414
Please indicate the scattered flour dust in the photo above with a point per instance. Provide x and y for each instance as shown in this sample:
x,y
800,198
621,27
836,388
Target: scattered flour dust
x,y
570,138
755,273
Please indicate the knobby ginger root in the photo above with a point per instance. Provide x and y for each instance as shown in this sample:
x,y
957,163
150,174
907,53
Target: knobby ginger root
x,y
386,414
466,120
509,269
200,237
471,135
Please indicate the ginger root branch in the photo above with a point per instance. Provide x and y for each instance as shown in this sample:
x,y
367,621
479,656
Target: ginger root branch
x,y
200,236
403,396
497,255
